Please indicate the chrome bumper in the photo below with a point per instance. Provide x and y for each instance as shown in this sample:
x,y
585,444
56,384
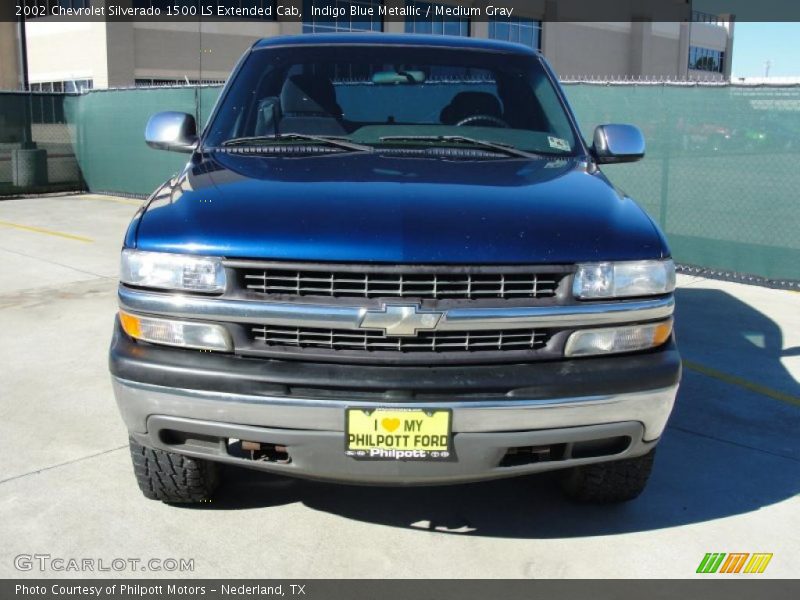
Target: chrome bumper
x,y
313,431
138,402
350,317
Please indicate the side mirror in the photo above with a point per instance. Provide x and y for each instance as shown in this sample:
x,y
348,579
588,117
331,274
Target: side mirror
x,y
175,131
617,144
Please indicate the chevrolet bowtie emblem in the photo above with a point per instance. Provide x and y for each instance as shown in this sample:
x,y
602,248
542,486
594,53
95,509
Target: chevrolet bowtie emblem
x,y
400,320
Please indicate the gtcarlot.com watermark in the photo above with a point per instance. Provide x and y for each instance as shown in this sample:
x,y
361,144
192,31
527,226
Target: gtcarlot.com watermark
x,y
48,562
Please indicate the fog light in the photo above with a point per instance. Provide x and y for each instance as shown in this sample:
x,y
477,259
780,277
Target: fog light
x,y
613,340
185,334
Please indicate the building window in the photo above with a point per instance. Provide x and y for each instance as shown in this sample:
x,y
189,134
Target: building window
x,y
517,29
349,22
430,22
72,86
78,85
47,105
703,17
166,82
705,59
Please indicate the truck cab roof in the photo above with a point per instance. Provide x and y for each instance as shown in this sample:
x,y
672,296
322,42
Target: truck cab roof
x,y
389,39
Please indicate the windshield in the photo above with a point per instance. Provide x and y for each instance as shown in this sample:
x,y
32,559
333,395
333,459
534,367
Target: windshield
x,y
390,96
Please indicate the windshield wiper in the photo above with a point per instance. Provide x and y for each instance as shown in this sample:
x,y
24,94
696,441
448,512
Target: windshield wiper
x,y
300,137
461,139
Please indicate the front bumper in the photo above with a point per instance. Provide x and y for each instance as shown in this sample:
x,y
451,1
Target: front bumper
x,y
194,403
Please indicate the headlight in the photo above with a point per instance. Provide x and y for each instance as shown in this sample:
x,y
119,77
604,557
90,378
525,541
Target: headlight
x,y
613,340
186,334
172,271
624,279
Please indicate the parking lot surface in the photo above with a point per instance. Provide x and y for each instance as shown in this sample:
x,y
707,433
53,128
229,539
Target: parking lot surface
x,y
727,473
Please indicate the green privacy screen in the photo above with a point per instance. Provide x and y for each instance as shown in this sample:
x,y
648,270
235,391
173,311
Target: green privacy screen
x,y
722,171
721,175
109,135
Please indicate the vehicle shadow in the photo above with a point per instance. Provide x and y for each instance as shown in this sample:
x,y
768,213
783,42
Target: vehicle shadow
x,y
722,332
727,451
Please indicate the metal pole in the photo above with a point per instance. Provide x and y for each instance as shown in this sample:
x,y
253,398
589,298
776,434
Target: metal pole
x,y
27,136
23,53
197,98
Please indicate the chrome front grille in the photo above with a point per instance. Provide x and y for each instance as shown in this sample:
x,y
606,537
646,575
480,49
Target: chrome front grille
x,y
376,341
447,285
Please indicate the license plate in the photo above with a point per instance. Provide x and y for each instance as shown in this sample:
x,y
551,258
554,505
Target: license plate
x,y
397,434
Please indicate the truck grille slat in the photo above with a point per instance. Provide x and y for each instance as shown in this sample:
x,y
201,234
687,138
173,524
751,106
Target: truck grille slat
x,y
429,341
402,285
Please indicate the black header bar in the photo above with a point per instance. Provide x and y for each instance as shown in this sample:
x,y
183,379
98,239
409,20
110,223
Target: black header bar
x,y
347,14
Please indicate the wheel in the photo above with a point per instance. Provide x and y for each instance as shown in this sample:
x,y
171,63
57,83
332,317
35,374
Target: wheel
x,y
171,477
604,483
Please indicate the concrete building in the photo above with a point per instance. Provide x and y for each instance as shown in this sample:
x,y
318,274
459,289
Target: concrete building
x,y
10,56
75,55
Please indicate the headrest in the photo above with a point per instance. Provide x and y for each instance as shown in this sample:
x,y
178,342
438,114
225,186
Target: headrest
x,y
309,94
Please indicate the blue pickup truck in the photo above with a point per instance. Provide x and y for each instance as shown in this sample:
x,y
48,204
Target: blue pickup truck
x,y
393,260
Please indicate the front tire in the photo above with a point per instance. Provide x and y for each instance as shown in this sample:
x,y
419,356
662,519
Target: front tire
x,y
173,478
609,482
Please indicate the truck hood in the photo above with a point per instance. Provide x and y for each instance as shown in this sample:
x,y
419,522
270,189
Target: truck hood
x,y
376,207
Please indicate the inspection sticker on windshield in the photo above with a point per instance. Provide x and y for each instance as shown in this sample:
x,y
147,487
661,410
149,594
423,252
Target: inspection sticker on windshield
x,y
397,434
558,143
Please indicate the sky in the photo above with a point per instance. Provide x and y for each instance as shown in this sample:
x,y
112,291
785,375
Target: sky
x,y
755,43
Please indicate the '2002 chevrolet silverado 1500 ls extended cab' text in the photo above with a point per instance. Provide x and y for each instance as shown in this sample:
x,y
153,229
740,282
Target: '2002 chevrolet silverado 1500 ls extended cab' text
x,y
393,260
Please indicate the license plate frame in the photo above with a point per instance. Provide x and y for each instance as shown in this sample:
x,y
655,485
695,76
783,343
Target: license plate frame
x,y
380,421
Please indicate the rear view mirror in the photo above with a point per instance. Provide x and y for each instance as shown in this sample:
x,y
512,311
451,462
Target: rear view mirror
x,y
398,77
175,131
617,144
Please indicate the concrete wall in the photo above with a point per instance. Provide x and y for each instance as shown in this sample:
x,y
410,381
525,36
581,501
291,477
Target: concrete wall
x,y
64,51
582,49
615,49
666,51
9,56
710,36
194,50
116,54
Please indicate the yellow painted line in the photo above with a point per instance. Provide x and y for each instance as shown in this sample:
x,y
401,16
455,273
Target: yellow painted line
x,y
130,201
69,236
741,382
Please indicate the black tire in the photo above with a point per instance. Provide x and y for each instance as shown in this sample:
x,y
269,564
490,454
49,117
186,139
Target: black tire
x,y
608,482
171,477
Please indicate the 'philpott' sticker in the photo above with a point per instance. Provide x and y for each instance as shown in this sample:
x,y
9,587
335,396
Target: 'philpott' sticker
x,y
558,143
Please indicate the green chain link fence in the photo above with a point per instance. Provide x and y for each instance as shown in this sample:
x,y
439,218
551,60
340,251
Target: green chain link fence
x,y
109,135
36,150
721,174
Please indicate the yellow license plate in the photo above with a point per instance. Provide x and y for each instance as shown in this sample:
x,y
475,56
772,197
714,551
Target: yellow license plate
x,y
397,434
